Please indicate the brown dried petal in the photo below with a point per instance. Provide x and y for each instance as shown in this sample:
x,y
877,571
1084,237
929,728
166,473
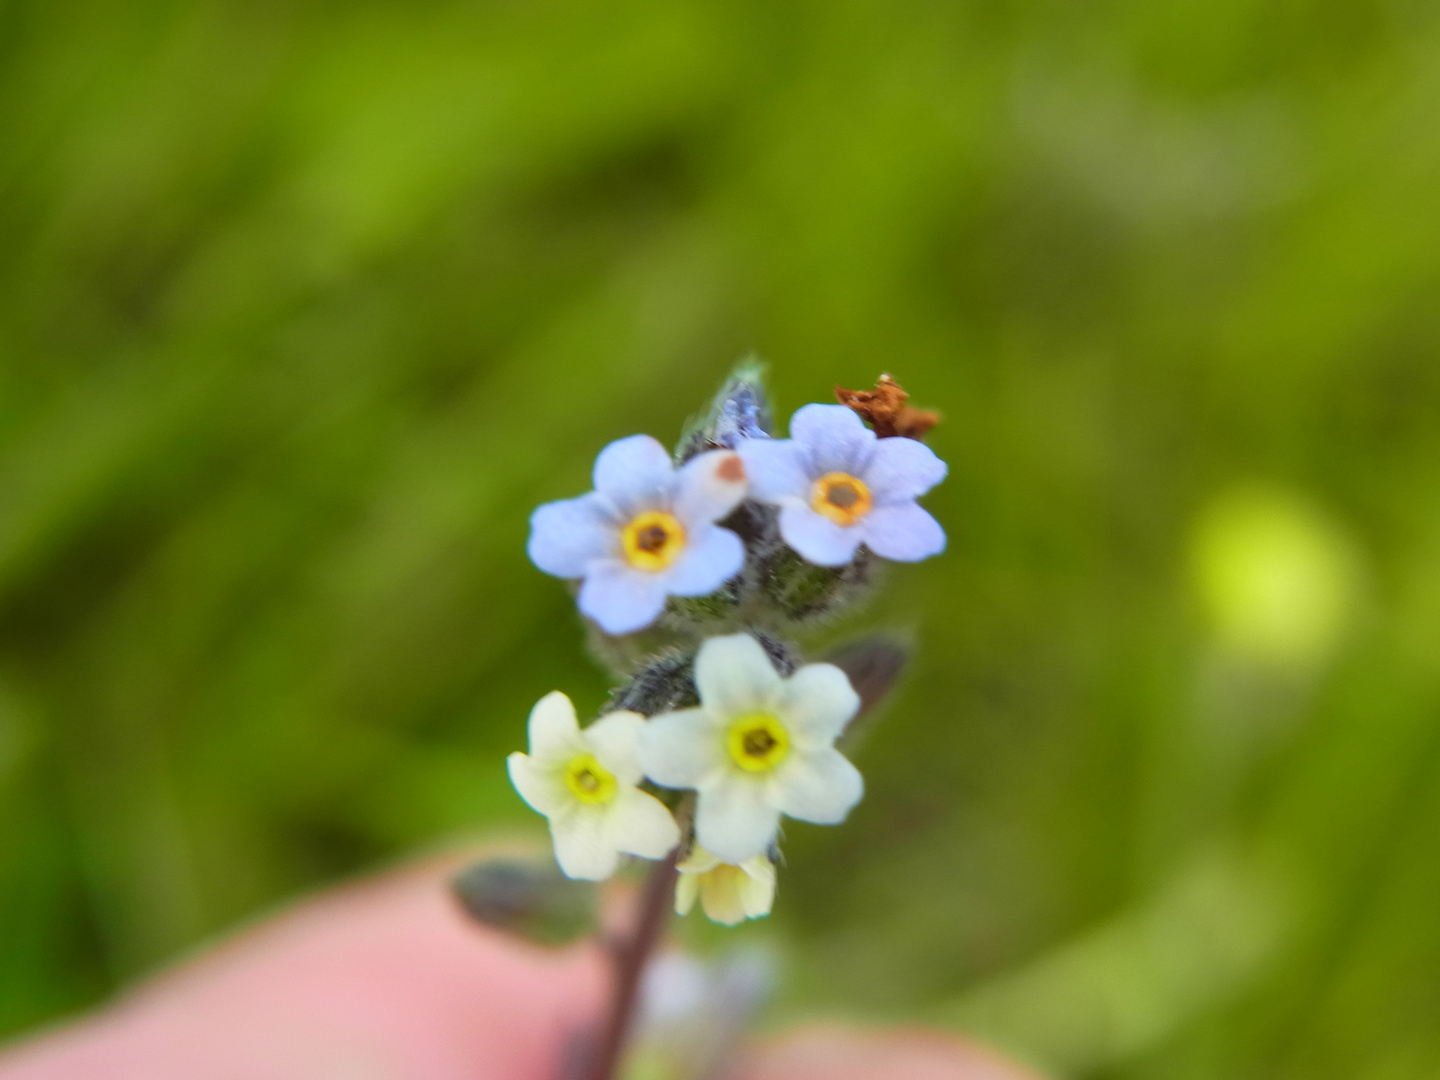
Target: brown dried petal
x,y
885,410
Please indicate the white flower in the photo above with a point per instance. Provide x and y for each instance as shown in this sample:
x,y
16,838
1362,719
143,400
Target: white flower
x,y
728,894
758,746
585,783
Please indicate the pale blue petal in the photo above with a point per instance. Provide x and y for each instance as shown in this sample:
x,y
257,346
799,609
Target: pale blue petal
x,y
641,825
836,439
816,703
612,740
708,487
635,473
681,749
901,469
902,532
566,536
734,821
711,557
815,537
819,787
776,468
583,847
620,598
734,676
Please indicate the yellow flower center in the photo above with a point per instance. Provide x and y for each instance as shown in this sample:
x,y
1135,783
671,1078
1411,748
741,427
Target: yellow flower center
x,y
842,498
758,742
653,540
589,781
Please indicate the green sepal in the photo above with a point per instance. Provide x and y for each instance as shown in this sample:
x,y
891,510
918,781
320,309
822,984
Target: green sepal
x,y
529,898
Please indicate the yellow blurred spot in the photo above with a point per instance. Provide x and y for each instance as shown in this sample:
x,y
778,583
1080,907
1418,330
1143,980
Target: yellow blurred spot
x,y
1276,578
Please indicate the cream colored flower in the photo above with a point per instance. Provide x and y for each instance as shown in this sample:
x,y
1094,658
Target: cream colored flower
x,y
728,894
758,746
585,782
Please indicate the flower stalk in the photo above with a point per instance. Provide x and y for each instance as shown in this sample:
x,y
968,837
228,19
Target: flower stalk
x,y
694,572
629,957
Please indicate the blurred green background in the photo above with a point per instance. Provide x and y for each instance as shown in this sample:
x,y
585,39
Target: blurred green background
x,y
303,306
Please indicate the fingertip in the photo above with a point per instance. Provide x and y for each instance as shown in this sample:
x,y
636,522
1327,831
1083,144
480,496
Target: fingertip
x,y
384,976
832,1052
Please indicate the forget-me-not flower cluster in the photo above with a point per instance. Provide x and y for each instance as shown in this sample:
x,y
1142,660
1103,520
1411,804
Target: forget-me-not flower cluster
x,y
722,732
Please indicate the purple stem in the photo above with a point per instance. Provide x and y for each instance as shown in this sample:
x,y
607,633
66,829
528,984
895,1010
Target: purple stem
x,y
629,958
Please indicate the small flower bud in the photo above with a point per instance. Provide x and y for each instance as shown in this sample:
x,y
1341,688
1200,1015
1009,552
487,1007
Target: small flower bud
x,y
740,411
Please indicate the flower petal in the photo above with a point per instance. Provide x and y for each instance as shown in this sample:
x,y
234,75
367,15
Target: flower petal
x,y
759,868
612,740
541,788
734,676
687,888
835,437
815,537
733,819
708,487
553,731
699,861
635,473
620,598
901,469
566,536
816,703
720,895
777,469
757,891
712,557
903,532
819,787
582,844
641,825
680,749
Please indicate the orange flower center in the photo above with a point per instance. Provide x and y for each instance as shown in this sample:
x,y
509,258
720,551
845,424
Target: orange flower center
x,y
653,540
842,498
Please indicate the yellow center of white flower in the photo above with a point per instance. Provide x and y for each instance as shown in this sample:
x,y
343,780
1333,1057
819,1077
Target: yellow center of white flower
x,y
842,498
589,781
758,742
653,540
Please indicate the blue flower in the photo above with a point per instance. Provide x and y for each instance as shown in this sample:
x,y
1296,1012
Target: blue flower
x,y
838,486
646,532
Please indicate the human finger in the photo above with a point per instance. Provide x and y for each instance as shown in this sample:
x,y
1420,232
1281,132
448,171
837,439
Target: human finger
x,y
833,1052
385,978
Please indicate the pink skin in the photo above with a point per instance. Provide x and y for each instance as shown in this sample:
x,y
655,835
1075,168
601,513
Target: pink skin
x,y
384,980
